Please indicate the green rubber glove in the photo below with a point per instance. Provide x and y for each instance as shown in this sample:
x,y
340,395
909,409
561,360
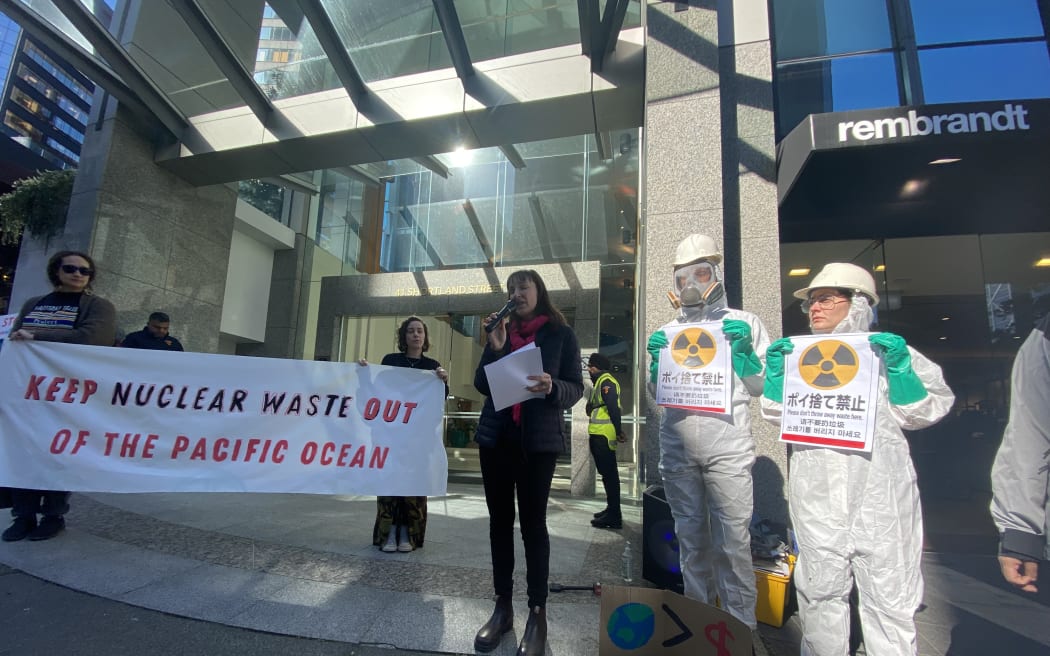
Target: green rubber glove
x,y
745,360
657,341
773,389
902,382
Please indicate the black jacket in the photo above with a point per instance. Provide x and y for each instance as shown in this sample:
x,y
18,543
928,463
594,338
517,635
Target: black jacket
x,y
144,339
542,420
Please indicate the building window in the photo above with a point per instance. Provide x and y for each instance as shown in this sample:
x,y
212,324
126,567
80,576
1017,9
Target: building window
x,y
22,126
51,67
280,56
1000,71
959,21
264,33
262,55
834,85
28,103
813,28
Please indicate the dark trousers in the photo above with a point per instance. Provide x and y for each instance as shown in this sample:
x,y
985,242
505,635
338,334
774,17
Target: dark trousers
x,y
605,462
504,469
49,503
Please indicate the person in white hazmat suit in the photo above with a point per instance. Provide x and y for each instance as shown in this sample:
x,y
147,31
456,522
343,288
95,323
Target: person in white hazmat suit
x,y
856,515
1021,473
706,457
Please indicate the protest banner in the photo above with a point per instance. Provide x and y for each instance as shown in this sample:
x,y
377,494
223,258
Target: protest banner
x,y
830,387
7,321
94,418
648,622
695,369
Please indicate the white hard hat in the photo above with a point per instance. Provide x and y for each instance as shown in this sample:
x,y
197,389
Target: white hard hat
x,y
841,275
695,248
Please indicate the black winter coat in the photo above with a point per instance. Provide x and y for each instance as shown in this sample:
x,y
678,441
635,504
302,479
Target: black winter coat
x,y
542,420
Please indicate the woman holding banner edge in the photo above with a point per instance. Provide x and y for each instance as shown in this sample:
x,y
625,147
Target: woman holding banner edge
x,y
401,522
518,449
71,314
857,515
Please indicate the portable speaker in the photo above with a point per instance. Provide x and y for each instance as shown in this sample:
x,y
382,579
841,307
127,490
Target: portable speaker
x,y
660,564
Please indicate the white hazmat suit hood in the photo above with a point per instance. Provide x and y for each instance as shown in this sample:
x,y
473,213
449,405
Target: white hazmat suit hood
x,y
857,517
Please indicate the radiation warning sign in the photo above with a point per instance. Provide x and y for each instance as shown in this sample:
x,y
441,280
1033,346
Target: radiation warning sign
x,y
695,369
830,388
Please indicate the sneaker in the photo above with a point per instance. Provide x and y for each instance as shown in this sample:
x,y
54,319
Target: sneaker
x,y
404,544
606,521
49,527
391,541
19,529
600,513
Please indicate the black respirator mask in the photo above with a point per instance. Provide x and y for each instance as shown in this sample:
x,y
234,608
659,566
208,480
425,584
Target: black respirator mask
x,y
697,285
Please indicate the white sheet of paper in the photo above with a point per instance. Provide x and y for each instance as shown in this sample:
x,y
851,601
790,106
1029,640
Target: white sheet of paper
x,y
508,376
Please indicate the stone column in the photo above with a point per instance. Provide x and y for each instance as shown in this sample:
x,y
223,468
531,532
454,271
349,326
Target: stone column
x,y
158,243
710,168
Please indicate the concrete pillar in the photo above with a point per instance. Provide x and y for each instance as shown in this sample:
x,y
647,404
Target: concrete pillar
x,y
710,168
158,243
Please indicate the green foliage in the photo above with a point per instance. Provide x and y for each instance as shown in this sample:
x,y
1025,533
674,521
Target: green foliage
x,y
263,196
36,205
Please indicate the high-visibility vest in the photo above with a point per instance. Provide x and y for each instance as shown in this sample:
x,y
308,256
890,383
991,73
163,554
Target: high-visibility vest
x,y
600,424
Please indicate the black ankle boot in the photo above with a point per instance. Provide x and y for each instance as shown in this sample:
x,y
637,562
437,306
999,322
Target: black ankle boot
x,y
534,642
502,620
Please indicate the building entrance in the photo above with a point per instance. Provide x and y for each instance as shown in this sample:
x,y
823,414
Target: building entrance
x,y
456,341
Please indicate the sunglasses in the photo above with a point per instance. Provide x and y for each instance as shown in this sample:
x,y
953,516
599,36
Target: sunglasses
x,y
72,268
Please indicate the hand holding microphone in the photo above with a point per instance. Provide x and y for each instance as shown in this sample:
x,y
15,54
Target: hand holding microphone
x,y
500,316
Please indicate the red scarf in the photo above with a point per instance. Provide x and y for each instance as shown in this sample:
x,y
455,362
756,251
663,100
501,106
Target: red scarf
x,y
520,334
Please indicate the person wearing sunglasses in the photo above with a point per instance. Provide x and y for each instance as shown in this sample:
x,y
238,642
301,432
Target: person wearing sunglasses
x,y
706,457
856,515
71,314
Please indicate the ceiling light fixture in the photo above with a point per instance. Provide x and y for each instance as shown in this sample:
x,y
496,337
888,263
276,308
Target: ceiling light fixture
x,y
801,271
945,160
880,267
945,318
1042,262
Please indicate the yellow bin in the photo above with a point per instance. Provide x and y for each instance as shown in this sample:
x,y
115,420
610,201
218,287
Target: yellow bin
x,y
772,596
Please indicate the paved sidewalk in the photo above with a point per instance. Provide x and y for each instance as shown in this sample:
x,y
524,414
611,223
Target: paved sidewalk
x,y
304,566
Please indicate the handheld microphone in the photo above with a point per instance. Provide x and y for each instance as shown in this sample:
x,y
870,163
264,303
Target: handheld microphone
x,y
501,315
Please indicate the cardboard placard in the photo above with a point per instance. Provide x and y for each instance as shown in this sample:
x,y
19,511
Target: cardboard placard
x,y
646,622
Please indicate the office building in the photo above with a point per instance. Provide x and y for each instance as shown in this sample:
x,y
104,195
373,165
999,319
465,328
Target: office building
x,y
414,153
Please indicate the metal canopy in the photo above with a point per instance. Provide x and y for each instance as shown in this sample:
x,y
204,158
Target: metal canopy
x,y
220,52
479,232
421,237
125,80
608,33
452,29
334,49
513,156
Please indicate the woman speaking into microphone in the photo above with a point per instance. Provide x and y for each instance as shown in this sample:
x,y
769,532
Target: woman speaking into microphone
x,y
518,447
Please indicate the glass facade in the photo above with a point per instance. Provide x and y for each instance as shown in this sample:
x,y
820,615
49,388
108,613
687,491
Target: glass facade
x,y
566,205
835,56
963,298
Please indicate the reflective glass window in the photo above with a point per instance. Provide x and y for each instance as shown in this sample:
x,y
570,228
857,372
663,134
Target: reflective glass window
x,y
811,28
991,72
834,85
938,21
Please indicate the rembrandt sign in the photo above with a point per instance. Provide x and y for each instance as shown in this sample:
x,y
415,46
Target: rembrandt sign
x,y
915,123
